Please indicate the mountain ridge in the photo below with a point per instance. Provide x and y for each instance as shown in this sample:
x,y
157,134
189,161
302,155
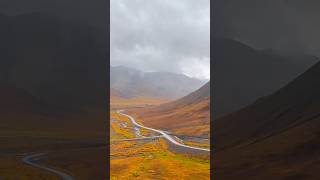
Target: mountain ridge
x,y
276,133
243,74
165,85
189,115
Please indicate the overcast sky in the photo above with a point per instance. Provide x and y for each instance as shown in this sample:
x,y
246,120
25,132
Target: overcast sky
x,y
289,26
162,35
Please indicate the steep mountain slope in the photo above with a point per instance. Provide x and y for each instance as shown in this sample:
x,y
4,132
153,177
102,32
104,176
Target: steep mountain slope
x,y
165,85
189,115
21,110
14,100
52,91
243,74
277,137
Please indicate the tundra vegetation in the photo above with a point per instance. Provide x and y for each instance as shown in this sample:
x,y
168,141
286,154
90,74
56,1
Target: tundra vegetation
x,y
149,159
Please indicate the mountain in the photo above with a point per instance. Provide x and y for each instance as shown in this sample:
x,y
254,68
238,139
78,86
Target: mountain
x,y
57,61
277,137
243,74
163,85
195,97
117,94
53,87
52,75
189,115
15,100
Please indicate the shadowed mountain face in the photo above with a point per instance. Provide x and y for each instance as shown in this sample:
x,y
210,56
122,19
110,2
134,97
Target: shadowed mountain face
x,y
56,61
277,137
243,74
15,100
189,115
52,87
165,85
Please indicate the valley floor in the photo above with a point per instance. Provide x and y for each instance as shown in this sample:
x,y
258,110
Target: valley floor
x,y
70,148
79,159
150,158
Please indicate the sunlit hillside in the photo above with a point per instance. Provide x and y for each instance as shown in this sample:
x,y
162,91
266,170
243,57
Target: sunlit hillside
x,y
189,115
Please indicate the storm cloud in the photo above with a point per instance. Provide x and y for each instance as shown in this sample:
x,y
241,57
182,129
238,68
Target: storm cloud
x,y
285,25
161,35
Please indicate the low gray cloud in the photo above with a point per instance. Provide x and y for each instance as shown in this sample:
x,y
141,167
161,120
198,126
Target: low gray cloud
x,y
291,26
162,35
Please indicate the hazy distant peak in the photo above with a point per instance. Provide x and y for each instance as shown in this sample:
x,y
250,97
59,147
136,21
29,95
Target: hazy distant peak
x,y
160,73
153,84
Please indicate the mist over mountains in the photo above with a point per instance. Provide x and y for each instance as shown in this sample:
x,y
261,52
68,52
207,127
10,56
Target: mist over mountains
x,y
242,74
285,25
279,42
272,85
135,83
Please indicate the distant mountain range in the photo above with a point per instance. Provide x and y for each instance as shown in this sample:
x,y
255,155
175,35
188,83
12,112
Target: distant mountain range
x,y
277,137
117,94
242,74
189,115
134,83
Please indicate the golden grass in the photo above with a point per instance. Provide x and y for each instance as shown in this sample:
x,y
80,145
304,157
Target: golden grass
x,y
194,144
123,132
195,130
144,132
136,101
154,161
